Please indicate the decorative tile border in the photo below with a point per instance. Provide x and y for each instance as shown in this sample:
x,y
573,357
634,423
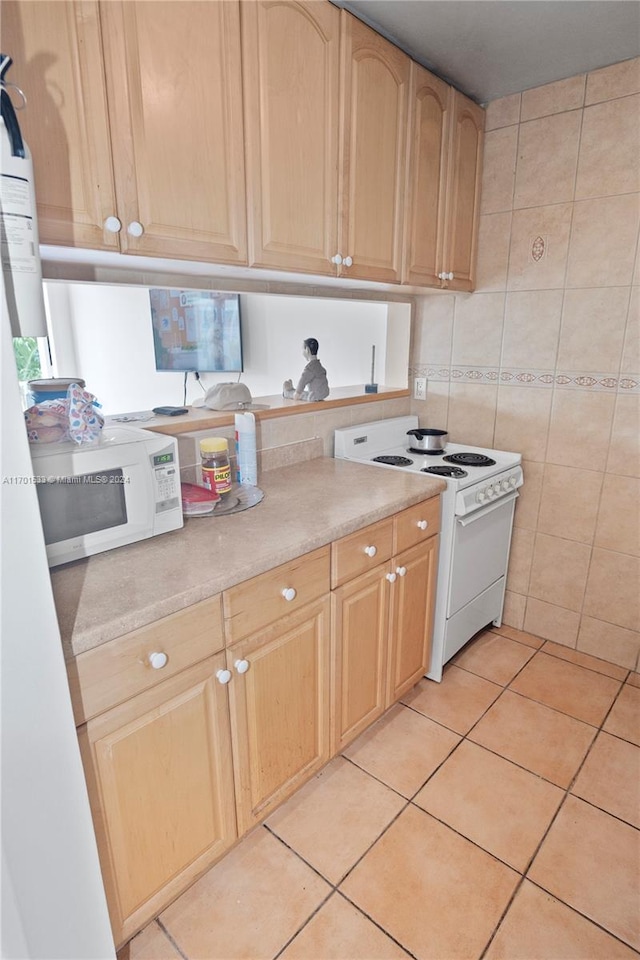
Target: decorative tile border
x,y
593,382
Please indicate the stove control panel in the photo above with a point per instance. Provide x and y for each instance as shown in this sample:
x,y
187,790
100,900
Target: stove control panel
x,y
488,491
498,488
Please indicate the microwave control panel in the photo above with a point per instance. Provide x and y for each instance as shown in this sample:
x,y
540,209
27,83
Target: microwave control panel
x,y
166,480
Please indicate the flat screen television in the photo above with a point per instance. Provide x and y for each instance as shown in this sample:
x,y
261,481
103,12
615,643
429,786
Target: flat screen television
x,y
196,330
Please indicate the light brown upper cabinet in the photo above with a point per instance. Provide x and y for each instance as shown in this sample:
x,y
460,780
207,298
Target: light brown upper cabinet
x,y
135,124
463,193
57,54
142,115
430,111
174,87
291,63
443,184
375,99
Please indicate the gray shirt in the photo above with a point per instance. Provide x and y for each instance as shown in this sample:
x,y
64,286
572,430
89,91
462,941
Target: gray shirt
x,y
314,379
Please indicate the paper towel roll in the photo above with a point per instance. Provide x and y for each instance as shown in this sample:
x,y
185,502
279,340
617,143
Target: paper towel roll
x,y
246,448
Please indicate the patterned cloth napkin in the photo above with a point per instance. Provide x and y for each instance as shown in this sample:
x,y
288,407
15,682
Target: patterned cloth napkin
x,y
72,418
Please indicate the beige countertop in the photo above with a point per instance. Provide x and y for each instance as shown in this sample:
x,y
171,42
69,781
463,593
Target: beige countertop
x,y
305,506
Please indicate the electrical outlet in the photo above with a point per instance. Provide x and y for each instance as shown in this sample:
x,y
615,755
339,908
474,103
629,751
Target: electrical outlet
x,y
419,388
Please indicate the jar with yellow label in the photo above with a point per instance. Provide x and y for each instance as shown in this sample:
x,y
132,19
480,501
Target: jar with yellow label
x,y
216,469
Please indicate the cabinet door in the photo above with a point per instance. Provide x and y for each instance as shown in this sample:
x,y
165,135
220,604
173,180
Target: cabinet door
x,y
375,99
463,192
412,606
175,102
57,54
291,62
429,117
360,615
160,781
279,710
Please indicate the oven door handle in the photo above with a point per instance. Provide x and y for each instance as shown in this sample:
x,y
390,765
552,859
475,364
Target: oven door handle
x,y
483,511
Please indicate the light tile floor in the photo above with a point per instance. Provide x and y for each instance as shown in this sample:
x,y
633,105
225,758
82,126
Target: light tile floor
x,y
495,815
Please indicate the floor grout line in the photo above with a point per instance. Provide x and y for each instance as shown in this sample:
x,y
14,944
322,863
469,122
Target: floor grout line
x,y
523,874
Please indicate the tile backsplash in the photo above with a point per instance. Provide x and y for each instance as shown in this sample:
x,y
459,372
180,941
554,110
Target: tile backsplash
x,y
544,357
282,441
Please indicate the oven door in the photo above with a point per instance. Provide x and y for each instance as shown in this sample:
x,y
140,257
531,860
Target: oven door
x,y
480,551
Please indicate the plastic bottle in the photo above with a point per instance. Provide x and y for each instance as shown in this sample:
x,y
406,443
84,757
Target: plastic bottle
x,y
216,469
246,448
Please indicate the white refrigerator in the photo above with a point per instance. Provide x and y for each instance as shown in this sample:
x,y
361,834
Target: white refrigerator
x,y
52,899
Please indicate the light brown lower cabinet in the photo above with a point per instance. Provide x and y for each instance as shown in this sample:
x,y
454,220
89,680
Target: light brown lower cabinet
x,y
382,623
178,769
360,649
160,781
279,702
411,619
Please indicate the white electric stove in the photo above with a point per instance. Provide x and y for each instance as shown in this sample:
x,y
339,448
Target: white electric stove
x,y
477,509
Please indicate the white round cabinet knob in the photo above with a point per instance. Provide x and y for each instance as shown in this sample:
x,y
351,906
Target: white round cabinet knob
x,y
348,261
113,225
391,577
158,660
289,593
449,276
223,676
401,571
423,524
371,551
337,259
135,229
241,666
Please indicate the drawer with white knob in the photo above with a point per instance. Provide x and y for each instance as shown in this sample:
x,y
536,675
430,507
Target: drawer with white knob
x,y
361,551
119,669
416,524
258,602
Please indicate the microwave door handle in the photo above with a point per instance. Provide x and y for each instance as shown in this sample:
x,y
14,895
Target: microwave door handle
x,y
483,511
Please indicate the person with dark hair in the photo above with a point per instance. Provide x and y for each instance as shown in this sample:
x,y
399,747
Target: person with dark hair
x,y
313,384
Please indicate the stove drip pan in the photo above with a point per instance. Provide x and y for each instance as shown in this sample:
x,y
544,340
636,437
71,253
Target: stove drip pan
x,y
442,470
468,459
393,461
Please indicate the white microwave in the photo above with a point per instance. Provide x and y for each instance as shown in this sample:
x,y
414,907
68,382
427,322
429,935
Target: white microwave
x,y
93,497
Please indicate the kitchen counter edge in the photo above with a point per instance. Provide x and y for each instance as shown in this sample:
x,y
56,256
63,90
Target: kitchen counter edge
x,y
305,506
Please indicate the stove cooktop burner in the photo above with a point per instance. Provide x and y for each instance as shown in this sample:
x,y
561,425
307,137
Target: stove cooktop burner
x,y
468,459
426,453
445,471
393,461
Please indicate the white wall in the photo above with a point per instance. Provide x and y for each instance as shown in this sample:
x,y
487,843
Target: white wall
x,y
112,343
275,327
